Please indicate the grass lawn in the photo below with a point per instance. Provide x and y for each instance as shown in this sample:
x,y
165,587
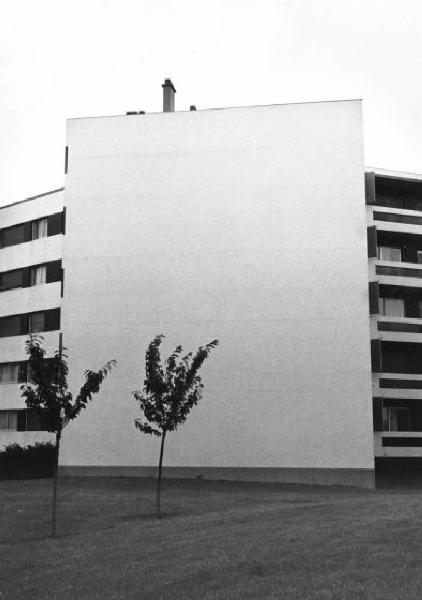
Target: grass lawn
x,y
217,540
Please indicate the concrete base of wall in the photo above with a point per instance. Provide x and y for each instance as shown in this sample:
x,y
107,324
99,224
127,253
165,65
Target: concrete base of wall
x,y
350,477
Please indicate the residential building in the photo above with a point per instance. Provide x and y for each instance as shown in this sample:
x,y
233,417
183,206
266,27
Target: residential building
x,y
395,273
31,239
244,224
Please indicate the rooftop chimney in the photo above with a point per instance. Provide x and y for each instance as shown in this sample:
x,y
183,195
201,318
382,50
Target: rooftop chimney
x,y
168,95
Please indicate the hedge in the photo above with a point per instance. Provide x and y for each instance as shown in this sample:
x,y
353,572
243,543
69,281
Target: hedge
x,y
27,462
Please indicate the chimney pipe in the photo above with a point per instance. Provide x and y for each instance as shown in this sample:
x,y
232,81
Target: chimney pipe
x,y
168,95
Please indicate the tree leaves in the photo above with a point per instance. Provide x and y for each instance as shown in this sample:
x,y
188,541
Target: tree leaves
x,y
48,392
170,392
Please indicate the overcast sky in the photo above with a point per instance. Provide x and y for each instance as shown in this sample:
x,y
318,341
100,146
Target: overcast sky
x,y
102,57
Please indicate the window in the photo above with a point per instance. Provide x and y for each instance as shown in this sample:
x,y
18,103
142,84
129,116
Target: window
x,y
13,372
11,279
46,320
32,230
389,253
54,271
36,322
32,422
39,229
20,420
396,418
9,372
12,235
9,419
11,326
38,275
419,256
391,307
29,276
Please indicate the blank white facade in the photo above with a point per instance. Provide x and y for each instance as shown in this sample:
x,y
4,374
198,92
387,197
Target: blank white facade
x,y
243,224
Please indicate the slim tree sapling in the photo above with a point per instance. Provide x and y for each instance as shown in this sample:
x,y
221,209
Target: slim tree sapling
x,y
169,394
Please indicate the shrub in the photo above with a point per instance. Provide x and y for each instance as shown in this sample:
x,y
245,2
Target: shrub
x,y
27,462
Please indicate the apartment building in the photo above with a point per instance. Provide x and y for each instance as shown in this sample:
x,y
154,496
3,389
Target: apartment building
x,y
31,240
247,225
394,212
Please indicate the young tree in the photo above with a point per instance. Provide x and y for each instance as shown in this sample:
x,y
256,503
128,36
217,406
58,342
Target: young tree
x,y
169,394
48,395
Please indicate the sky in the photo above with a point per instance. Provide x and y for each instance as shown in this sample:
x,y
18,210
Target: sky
x,y
103,57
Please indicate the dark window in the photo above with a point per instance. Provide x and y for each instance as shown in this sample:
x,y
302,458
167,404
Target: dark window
x,y
11,279
32,230
52,319
398,193
66,160
20,420
55,224
9,419
36,322
29,276
401,384
47,320
12,235
401,357
33,422
11,326
54,271
407,442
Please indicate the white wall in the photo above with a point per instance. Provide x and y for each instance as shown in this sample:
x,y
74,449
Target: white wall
x,y
246,225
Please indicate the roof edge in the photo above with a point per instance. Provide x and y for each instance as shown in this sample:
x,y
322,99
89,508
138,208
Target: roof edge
x,y
198,110
33,197
395,174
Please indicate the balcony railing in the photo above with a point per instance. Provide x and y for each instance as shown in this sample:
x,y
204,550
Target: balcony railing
x,y
393,217
400,325
398,269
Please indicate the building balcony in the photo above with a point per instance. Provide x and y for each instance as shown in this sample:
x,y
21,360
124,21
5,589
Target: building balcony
x,y
396,329
34,252
396,220
401,273
400,386
397,422
398,444
30,299
12,349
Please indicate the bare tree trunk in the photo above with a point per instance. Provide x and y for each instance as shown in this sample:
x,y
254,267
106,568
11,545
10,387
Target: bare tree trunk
x,y
56,464
160,466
